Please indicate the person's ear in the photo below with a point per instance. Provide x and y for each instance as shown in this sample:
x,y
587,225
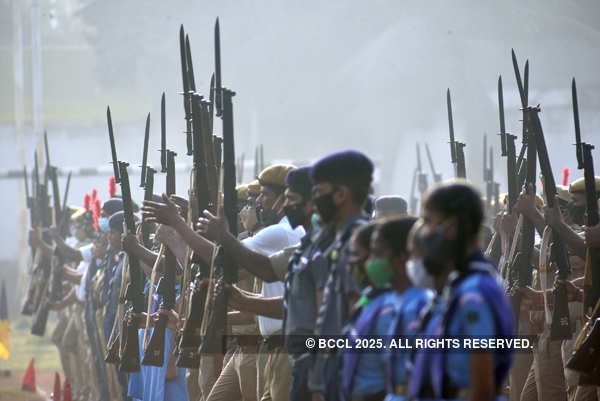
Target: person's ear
x,y
341,194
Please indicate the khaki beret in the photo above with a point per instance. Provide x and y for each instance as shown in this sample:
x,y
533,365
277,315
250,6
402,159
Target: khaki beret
x,y
253,188
563,193
275,174
579,185
242,192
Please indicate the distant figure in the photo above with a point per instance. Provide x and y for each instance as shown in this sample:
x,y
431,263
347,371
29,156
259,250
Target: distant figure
x,y
390,206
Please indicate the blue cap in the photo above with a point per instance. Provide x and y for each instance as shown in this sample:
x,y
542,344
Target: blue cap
x,y
349,167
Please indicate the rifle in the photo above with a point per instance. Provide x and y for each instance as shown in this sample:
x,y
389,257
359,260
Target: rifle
x,y
29,307
585,161
561,324
217,319
163,136
190,336
413,198
148,192
451,127
113,149
44,267
461,169
437,177
145,153
186,91
154,355
422,176
130,359
501,116
218,76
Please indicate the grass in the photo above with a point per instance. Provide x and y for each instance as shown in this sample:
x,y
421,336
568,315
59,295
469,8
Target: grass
x,y
24,346
8,394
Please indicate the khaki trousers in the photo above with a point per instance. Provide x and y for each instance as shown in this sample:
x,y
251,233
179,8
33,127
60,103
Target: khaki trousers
x,y
237,380
278,375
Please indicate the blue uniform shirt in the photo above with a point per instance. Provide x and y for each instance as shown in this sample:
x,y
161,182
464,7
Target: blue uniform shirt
x,y
471,305
406,323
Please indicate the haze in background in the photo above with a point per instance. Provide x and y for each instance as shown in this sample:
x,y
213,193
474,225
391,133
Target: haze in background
x,y
311,77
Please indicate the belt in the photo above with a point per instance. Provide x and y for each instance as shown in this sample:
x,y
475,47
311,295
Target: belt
x,y
244,341
273,341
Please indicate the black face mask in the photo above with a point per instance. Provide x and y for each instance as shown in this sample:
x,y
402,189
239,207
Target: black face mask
x,y
295,214
326,207
577,213
268,217
437,251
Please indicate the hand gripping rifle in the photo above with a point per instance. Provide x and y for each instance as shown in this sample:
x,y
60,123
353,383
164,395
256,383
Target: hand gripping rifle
x,y
560,328
130,359
213,340
154,355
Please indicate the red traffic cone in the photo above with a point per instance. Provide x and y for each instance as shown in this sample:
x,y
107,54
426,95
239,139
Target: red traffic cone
x,y
29,379
56,392
67,394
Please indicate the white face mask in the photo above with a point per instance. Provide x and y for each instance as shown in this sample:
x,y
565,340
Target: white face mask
x,y
418,275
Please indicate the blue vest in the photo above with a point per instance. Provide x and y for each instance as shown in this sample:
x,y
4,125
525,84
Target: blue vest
x,y
429,369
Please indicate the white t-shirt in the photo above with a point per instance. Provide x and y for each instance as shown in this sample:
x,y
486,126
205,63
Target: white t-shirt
x,y
86,253
269,240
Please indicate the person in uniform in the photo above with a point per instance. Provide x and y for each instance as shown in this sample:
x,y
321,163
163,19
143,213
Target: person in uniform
x,y
390,206
341,183
470,301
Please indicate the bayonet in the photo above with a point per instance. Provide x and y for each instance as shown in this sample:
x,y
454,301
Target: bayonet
x,y
190,65
422,176
451,127
113,148
578,148
218,77
518,78
47,151
526,82
186,89
501,115
145,152
163,136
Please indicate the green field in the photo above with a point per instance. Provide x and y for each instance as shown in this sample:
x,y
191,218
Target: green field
x,y
24,346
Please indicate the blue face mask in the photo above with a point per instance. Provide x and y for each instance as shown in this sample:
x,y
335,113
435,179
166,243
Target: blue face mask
x,y
314,219
103,224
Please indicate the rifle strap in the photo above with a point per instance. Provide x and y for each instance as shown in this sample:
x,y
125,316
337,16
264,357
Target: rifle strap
x,y
543,269
209,292
151,292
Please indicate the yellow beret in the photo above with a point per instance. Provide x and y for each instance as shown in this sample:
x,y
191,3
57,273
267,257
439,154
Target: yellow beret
x,y
275,174
253,188
242,192
579,185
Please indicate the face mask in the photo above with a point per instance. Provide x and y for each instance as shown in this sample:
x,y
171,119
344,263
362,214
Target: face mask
x,y
315,220
437,252
418,275
326,207
249,217
270,217
379,271
103,224
295,214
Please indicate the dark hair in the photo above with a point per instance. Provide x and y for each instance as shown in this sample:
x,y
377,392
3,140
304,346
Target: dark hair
x,y
394,232
463,201
363,234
